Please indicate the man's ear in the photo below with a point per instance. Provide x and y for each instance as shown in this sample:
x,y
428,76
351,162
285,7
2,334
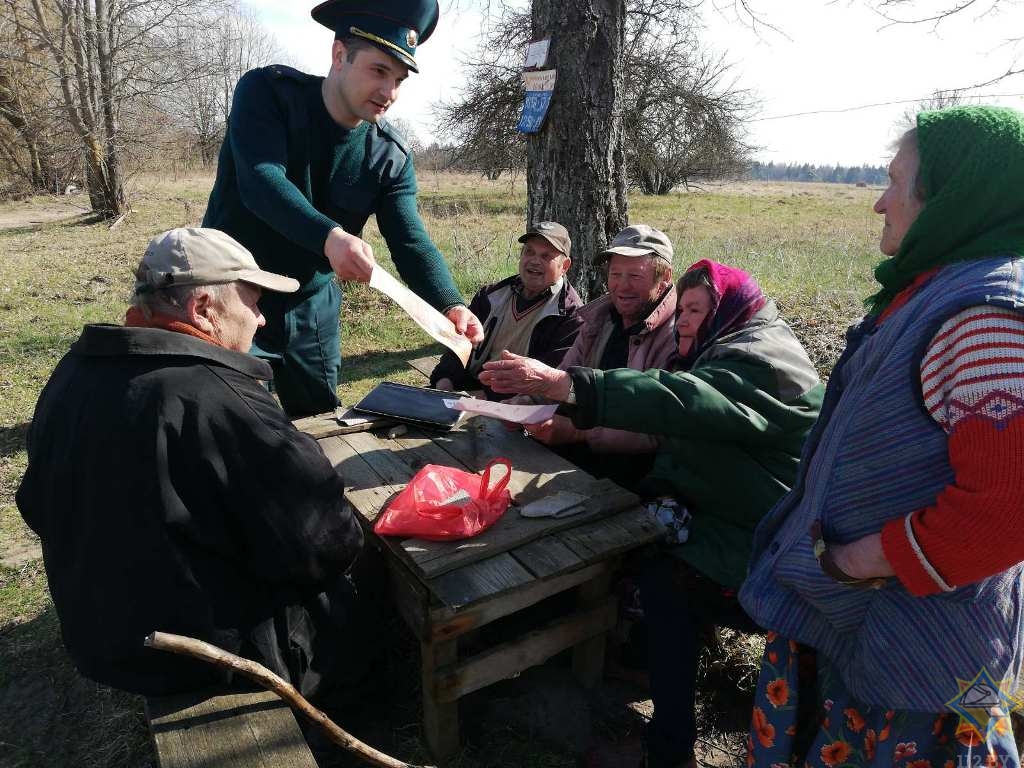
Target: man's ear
x,y
566,264
338,54
200,310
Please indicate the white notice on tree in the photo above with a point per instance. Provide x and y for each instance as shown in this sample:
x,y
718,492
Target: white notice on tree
x,y
428,318
517,414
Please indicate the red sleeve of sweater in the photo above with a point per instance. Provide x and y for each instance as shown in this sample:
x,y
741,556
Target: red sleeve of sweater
x,y
972,377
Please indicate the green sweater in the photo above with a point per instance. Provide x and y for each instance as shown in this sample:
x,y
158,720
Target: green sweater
x,y
731,431
288,174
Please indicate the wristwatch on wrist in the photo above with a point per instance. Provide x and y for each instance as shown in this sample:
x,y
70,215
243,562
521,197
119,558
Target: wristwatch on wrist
x,y
832,569
570,397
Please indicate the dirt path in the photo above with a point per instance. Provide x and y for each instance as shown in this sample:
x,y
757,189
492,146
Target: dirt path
x,y
40,210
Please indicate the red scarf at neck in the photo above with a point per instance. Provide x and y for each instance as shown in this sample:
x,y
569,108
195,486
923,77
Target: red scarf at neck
x,y
135,319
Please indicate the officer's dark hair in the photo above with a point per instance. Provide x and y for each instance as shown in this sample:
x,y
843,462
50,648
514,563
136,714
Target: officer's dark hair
x,y
353,45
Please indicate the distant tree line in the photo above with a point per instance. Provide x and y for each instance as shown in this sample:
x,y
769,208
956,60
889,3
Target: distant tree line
x,y
870,175
92,90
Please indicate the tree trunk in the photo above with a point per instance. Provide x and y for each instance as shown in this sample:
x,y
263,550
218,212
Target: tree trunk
x,y
576,172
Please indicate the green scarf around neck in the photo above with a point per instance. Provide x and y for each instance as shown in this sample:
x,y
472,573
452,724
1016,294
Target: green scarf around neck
x,y
971,176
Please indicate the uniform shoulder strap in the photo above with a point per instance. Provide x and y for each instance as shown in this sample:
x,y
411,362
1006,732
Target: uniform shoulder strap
x,y
392,134
284,72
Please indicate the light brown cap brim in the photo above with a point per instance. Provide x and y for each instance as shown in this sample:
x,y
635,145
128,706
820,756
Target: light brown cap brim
x,y
269,280
625,250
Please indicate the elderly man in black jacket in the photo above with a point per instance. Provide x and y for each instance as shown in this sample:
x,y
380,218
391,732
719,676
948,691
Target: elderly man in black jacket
x,y
172,493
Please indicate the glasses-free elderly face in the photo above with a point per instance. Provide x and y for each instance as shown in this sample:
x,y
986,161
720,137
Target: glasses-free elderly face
x,y
899,203
540,266
634,285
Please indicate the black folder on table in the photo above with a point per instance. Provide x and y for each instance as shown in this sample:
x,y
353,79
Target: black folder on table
x,y
418,406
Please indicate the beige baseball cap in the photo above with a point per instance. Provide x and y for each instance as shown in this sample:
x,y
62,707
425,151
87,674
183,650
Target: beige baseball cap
x,y
638,240
202,256
551,231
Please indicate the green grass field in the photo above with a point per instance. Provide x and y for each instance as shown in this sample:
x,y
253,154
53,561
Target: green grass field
x,y
811,246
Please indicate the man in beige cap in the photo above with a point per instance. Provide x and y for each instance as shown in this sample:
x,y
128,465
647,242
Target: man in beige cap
x,y
171,492
532,313
629,327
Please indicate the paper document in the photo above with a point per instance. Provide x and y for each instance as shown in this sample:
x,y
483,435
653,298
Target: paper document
x,y
428,318
517,414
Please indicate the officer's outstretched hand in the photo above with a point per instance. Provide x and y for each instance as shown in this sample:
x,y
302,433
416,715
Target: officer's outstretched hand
x,y
466,323
351,258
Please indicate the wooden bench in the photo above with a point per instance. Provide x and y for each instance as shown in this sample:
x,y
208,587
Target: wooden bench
x,y
228,730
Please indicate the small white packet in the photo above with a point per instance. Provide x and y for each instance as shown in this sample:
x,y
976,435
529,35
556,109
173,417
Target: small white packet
x,y
561,504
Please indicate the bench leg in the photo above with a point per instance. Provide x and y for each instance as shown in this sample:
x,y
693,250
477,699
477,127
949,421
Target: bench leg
x,y
588,656
440,718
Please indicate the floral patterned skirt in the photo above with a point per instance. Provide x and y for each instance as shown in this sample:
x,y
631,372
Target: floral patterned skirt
x,y
803,716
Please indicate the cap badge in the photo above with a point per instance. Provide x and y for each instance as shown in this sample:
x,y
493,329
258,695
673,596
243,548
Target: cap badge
x,y
545,226
412,38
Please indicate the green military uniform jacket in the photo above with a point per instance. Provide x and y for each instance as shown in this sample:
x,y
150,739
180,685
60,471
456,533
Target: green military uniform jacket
x,y
731,430
287,175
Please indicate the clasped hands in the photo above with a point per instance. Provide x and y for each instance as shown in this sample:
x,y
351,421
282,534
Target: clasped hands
x,y
517,375
352,259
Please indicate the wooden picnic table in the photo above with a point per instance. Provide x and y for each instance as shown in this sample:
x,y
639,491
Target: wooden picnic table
x,y
444,590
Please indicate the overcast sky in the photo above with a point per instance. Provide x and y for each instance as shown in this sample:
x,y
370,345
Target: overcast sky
x,y
833,55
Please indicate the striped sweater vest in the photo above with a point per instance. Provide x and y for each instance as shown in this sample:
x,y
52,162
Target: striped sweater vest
x,y
875,454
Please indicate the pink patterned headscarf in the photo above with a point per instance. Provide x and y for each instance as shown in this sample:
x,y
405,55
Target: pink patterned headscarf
x,y
735,299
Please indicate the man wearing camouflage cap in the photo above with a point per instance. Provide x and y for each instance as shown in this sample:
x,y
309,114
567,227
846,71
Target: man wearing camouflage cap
x,y
531,313
172,493
305,162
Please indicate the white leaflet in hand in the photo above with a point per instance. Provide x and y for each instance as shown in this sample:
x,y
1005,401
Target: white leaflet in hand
x,y
517,414
428,318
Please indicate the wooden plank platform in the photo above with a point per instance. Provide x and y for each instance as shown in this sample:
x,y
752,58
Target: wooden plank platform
x,y
444,590
240,730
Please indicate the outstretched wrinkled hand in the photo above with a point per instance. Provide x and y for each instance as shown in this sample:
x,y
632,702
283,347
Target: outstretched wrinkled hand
x,y
517,375
558,430
466,323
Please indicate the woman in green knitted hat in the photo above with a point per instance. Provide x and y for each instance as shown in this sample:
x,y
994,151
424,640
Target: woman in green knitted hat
x,y
890,577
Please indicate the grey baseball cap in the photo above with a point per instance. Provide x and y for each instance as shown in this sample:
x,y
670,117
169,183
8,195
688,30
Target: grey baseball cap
x,y
202,256
551,231
638,240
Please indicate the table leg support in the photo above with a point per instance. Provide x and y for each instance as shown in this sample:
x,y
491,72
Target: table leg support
x,y
588,656
440,718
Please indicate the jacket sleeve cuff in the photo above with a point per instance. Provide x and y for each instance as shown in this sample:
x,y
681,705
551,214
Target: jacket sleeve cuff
x,y
908,560
585,382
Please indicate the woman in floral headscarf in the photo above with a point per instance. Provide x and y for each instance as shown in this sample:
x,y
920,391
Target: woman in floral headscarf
x,y
891,576
731,420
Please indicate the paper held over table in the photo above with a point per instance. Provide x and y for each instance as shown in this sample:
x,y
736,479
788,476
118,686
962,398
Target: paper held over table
x,y
517,414
428,318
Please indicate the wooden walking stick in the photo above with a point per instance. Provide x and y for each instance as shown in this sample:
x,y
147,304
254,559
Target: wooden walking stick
x,y
189,646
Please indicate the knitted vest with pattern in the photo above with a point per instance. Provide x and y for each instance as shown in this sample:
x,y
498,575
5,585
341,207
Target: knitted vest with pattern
x,y
875,454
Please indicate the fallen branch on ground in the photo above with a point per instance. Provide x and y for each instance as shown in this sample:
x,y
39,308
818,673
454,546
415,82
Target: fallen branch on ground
x,y
189,646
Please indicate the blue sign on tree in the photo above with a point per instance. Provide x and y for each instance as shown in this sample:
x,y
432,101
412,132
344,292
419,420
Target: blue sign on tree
x,y
539,86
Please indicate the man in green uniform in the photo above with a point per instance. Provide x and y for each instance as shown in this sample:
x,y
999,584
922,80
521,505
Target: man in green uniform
x,y
305,162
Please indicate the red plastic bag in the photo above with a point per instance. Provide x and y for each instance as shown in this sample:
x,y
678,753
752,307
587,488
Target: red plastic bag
x,y
442,503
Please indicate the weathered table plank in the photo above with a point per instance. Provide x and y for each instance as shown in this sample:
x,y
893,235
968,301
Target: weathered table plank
x,y
244,730
492,576
608,537
547,556
425,365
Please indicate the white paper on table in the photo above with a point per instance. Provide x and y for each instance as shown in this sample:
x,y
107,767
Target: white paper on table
x,y
429,319
517,414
